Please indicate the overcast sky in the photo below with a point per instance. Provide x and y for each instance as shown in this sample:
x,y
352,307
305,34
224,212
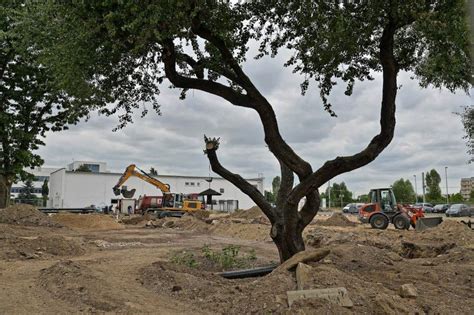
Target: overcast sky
x,y
428,134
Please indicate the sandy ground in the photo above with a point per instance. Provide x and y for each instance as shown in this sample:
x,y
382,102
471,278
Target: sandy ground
x,y
95,265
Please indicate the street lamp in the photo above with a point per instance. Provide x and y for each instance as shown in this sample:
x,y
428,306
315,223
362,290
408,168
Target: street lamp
x,y
416,190
446,176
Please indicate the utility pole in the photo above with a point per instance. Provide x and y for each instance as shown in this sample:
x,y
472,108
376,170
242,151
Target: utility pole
x,y
329,194
423,185
446,176
416,190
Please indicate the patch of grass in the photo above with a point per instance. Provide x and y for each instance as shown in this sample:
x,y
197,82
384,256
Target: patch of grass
x,y
229,257
185,258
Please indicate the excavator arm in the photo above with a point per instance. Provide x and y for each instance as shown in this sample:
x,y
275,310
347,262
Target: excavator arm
x,y
130,171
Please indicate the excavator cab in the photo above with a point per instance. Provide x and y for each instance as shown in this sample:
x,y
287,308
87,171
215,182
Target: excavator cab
x,y
384,198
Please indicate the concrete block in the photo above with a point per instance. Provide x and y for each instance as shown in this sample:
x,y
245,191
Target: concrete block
x,y
335,295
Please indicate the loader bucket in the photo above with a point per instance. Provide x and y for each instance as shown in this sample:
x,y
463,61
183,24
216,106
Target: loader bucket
x,y
128,193
426,223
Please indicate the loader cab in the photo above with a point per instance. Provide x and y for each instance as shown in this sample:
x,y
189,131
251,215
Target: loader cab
x,y
385,198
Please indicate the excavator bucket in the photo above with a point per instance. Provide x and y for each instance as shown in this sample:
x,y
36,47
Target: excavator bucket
x,y
426,223
128,193
116,191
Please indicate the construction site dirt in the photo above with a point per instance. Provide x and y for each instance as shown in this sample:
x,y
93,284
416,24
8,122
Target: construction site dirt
x,y
95,264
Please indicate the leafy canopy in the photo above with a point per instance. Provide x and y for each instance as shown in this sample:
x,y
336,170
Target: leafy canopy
x,y
113,50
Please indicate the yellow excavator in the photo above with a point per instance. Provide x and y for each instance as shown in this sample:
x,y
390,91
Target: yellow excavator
x,y
171,204
131,171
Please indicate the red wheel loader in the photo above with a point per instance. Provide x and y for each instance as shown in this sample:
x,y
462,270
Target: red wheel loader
x,y
383,210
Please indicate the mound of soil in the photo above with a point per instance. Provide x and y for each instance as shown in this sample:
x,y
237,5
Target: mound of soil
x,y
454,231
201,214
27,215
138,219
252,213
186,223
215,294
14,247
254,232
87,221
337,219
76,284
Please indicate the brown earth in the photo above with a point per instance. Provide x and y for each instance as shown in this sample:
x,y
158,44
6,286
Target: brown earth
x,y
87,221
133,269
337,219
25,215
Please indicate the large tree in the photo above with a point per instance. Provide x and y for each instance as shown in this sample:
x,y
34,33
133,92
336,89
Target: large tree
x,y
124,50
340,194
403,190
432,184
30,102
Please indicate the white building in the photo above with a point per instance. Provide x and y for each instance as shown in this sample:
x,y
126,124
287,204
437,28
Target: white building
x,y
40,175
70,189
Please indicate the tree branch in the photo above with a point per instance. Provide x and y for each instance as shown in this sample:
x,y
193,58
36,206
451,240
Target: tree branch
x,y
169,60
340,165
237,180
310,208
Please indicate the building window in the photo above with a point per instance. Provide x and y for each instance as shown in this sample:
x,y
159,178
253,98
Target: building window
x,y
192,183
93,167
221,190
41,178
198,184
186,184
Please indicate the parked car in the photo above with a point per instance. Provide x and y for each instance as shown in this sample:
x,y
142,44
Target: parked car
x,y
458,210
440,208
427,207
352,208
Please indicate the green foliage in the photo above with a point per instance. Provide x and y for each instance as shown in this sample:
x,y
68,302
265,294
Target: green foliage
x,y
340,194
467,118
83,168
228,257
363,198
403,191
31,103
45,189
433,180
185,258
269,196
431,40
456,198
471,196
27,194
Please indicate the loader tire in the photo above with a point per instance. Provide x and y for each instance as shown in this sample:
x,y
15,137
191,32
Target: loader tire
x,y
401,222
379,221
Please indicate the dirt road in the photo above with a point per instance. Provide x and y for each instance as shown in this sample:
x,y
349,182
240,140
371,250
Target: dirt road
x,y
132,269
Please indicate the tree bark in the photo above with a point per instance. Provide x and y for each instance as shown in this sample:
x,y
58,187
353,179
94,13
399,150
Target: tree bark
x,y
287,232
5,188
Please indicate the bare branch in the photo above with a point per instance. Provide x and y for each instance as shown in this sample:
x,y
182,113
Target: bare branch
x,y
236,179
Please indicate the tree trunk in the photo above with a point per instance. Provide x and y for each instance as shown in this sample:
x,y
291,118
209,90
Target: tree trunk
x,y
5,188
287,233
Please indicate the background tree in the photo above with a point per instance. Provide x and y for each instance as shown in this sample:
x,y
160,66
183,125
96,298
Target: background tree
x,y
403,191
153,172
338,190
471,197
363,198
456,198
124,50
269,196
30,103
276,182
45,192
467,117
83,168
27,194
433,180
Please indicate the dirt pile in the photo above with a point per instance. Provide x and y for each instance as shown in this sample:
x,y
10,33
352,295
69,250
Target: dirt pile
x,y
40,247
76,284
337,219
252,213
452,231
87,221
186,223
215,294
137,219
26,215
254,232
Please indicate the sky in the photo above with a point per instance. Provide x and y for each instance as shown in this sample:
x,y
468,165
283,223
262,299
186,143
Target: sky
x,y
428,134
